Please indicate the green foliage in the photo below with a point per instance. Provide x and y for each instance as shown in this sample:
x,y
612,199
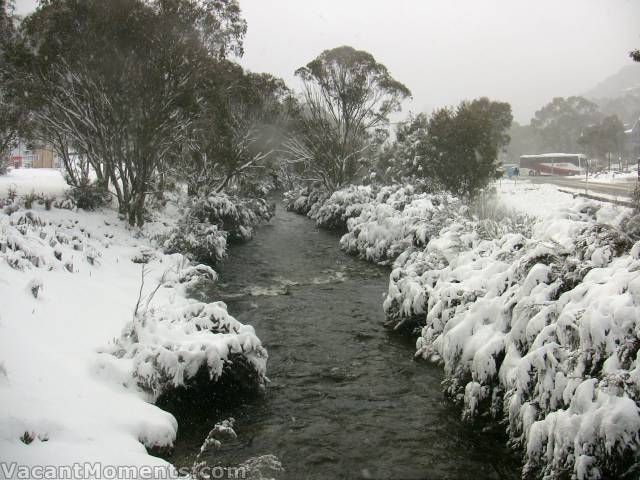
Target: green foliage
x,y
401,158
635,55
560,123
605,137
237,131
461,147
89,195
12,115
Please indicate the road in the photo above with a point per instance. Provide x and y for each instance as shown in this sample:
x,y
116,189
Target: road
x,y
622,189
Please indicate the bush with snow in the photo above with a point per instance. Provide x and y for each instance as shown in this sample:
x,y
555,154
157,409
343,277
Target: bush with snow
x,y
170,343
301,201
170,346
202,242
536,321
541,332
210,223
236,216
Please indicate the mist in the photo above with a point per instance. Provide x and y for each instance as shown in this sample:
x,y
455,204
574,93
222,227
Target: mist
x,y
524,53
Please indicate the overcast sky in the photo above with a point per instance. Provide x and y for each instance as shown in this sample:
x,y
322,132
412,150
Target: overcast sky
x,y
521,51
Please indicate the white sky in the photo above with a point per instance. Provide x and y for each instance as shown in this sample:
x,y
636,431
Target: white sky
x,y
522,51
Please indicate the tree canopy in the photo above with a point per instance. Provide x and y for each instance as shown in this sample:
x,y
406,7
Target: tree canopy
x,y
461,147
560,123
346,95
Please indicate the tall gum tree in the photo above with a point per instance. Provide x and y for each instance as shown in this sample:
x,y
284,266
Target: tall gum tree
x,y
346,96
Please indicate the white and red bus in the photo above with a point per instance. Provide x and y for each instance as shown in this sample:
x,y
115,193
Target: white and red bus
x,y
554,164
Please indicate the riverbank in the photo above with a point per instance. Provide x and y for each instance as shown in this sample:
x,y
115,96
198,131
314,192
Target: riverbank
x,y
534,318
346,399
95,325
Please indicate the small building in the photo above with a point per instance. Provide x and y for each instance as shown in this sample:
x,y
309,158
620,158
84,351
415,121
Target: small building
x,y
34,156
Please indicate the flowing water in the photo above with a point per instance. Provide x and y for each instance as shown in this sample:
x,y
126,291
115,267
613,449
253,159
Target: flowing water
x,y
346,399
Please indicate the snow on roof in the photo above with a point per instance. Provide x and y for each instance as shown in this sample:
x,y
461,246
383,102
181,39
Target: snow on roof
x,y
553,155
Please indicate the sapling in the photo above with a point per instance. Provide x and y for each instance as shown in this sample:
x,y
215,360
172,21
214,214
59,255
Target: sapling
x,y
34,286
28,199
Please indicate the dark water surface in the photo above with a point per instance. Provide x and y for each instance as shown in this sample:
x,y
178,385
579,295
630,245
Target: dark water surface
x,y
346,399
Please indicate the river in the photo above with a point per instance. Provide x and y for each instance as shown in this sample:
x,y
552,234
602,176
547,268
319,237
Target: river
x,y
346,399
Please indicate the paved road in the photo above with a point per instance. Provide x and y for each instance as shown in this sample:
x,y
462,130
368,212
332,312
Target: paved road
x,y
617,189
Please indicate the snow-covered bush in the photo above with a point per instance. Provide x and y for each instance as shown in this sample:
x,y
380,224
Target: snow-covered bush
x,y
29,199
342,205
397,220
200,242
88,195
188,345
210,223
65,203
236,216
540,332
302,201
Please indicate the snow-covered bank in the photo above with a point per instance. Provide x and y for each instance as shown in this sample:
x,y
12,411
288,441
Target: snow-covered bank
x,y
39,180
535,318
95,324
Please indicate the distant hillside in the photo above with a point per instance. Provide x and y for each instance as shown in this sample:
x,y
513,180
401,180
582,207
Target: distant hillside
x,y
626,81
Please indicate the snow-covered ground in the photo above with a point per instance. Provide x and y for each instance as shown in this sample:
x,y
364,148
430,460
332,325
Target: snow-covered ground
x,y
38,180
540,200
531,302
615,176
79,369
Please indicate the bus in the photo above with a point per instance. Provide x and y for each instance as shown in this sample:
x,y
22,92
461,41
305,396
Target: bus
x,y
554,164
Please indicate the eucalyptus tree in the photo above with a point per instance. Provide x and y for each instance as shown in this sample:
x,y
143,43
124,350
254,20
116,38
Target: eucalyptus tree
x,y
12,116
237,133
561,122
346,96
461,145
118,81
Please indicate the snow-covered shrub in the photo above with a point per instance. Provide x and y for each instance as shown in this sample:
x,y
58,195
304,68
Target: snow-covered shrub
x,y
234,215
188,345
28,200
88,195
27,241
200,242
34,286
302,201
47,200
494,219
11,208
541,332
65,203
210,223
398,219
342,205
197,273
